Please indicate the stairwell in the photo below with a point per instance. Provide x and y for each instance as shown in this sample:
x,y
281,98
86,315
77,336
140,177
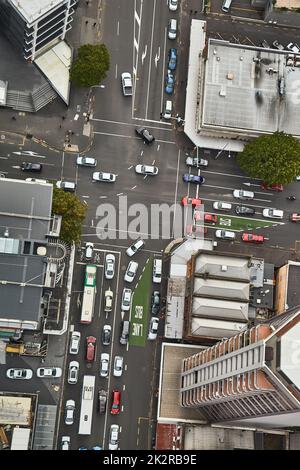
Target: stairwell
x,y
31,102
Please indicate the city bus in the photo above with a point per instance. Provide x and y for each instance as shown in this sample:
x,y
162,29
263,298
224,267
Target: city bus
x,y
87,401
89,294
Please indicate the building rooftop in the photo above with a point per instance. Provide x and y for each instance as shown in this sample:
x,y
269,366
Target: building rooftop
x,y
249,89
224,266
32,10
210,438
287,4
293,292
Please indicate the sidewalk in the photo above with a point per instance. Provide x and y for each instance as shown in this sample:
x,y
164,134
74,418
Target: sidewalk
x,y
53,124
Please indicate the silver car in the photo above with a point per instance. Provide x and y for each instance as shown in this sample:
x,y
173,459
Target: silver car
x,y
110,261
75,342
126,299
118,366
104,177
86,161
104,365
131,271
70,410
113,437
150,170
19,374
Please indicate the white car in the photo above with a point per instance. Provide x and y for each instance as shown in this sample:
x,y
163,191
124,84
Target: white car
x,y
222,206
110,261
126,299
293,47
118,366
225,234
153,328
137,245
49,372
73,372
89,250
173,5
70,410
65,443
273,213
108,300
66,185
104,364
19,374
75,342
86,161
113,437
150,170
104,177
242,194
131,271
36,180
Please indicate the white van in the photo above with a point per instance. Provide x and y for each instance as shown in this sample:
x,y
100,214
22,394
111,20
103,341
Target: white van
x,y
168,109
222,206
172,29
66,185
226,5
157,268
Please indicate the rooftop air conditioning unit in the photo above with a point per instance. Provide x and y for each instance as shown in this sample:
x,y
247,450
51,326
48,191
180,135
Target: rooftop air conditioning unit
x,y
230,76
224,268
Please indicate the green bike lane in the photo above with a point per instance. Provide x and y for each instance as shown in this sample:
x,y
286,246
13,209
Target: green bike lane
x,y
237,223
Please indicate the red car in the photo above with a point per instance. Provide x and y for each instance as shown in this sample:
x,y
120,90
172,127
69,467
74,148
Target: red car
x,y
252,238
211,218
272,187
191,200
295,217
116,402
90,348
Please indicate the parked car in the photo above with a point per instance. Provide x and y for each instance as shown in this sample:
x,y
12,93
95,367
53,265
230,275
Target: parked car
x,y
86,161
272,187
75,342
106,335
225,234
70,410
124,333
172,29
273,213
293,47
155,303
222,206
90,348
126,299
24,374
135,247
102,401
49,372
73,372
113,437
190,178
243,210
89,250
34,167
295,217
69,186
152,335
210,218
110,261
173,5
172,59
116,402
252,238
277,45
169,83
108,300
150,170
191,200
145,135
118,366
126,81
242,194
194,161
265,44
65,443
104,364
131,271
104,177
157,271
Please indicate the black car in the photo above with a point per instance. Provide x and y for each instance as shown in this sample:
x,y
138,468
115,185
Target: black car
x,y
106,335
35,167
155,302
102,401
145,135
243,210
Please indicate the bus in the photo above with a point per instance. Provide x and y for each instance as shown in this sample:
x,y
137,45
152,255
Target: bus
x,y
89,294
87,401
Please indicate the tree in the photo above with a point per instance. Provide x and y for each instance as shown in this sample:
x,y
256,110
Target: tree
x,y
90,66
273,158
73,213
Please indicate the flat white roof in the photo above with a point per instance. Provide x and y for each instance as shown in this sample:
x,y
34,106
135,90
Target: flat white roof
x,y
31,10
55,65
288,354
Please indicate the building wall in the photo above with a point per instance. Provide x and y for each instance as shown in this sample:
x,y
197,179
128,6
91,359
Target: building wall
x,y
280,291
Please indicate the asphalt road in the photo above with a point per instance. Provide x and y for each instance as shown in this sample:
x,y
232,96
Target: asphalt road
x,y
131,36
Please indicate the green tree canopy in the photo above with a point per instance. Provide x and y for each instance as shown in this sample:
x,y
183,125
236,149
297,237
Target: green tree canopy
x,y
73,213
273,158
90,66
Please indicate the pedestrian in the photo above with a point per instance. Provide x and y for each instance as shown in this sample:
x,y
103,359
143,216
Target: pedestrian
x,y
87,2
161,115
63,118
86,22
95,24
195,12
14,118
60,126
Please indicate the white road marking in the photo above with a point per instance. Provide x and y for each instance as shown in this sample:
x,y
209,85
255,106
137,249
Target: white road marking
x,y
129,168
116,73
163,73
157,56
176,188
133,125
227,174
118,28
137,18
150,64
4,158
158,147
85,196
133,187
124,387
103,197
144,54
120,194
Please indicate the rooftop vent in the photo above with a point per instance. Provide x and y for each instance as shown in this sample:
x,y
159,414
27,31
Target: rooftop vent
x,y
224,268
41,251
230,76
